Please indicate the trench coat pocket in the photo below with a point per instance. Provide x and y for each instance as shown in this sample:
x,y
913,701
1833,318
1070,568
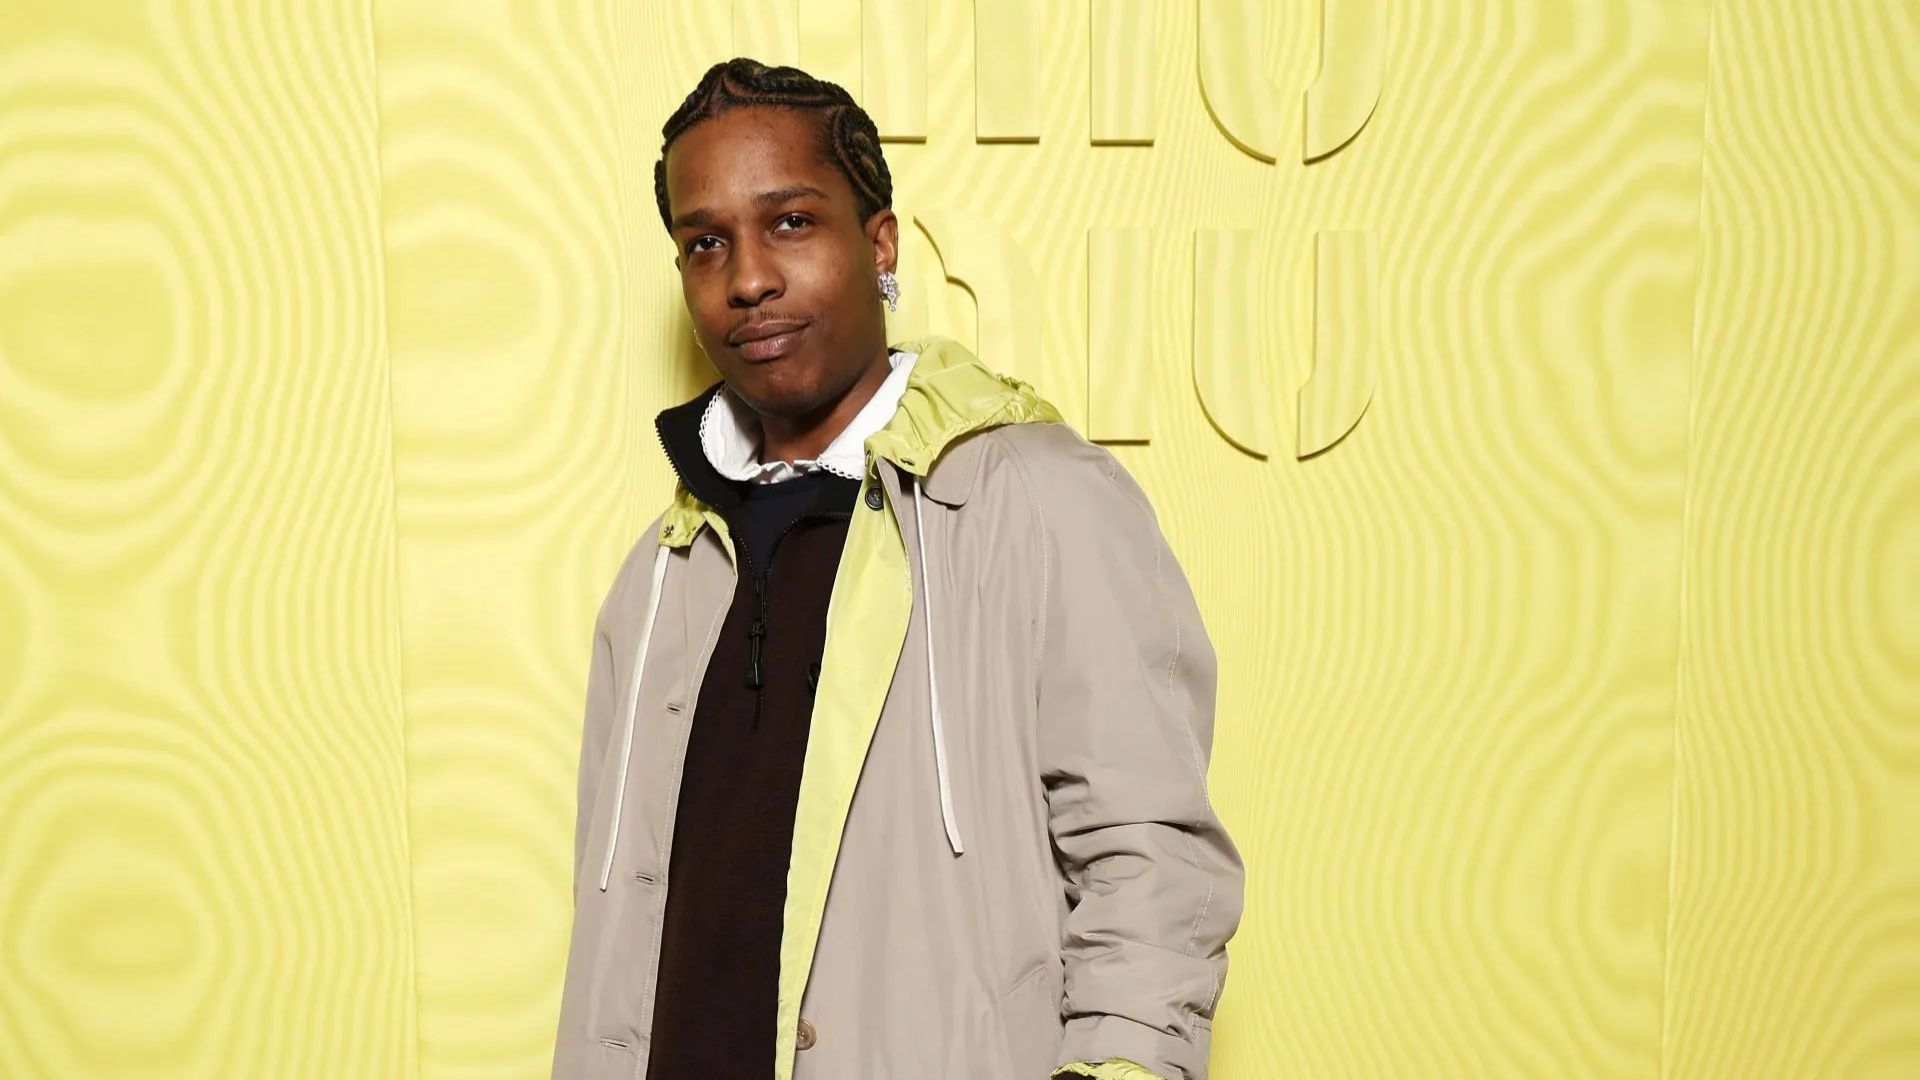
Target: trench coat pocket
x,y
1029,1015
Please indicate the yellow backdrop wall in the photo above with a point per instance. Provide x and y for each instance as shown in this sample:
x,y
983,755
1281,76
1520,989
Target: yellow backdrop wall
x,y
1530,388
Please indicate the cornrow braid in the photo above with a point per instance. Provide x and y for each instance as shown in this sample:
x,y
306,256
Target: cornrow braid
x,y
848,138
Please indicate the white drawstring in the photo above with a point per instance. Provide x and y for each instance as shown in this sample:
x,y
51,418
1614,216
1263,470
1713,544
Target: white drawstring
x,y
947,816
633,702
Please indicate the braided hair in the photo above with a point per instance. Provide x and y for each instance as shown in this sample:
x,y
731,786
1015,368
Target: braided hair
x,y
848,138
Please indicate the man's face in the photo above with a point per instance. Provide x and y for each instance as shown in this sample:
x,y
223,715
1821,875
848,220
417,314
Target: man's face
x,y
770,243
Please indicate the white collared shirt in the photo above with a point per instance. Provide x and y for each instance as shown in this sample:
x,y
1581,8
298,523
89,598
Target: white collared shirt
x,y
730,433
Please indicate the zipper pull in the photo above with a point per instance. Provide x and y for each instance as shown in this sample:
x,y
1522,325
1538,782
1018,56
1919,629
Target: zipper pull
x,y
755,677
756,630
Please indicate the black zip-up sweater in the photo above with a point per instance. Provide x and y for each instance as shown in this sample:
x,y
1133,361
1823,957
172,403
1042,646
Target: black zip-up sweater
x,y
714,1008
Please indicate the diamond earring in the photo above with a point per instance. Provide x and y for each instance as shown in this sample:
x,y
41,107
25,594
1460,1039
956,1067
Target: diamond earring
x,y
890,289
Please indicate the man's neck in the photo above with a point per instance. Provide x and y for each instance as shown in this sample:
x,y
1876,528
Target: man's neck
x,y
799,438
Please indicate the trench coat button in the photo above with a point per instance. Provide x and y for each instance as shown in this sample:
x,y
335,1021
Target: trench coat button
x,y
874,499
804,1038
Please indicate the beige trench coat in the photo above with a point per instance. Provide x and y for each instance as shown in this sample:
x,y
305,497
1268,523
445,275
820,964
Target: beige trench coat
x,y
1005,857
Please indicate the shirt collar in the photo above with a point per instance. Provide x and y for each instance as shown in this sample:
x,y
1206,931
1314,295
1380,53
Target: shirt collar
x,y
730,433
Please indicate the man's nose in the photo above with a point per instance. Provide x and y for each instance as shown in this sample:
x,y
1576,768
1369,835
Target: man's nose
x,y
756,277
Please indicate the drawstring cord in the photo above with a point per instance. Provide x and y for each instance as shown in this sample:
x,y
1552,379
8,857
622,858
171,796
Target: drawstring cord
x,y
633,702
947,816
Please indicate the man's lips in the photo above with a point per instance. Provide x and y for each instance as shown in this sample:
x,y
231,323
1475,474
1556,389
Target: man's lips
x,y
763,328
770,340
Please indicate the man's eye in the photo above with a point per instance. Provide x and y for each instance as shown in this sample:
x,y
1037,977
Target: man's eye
x,y
793,217
694,244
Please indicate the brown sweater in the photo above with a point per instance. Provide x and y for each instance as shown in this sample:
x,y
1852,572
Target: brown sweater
x,y
726,880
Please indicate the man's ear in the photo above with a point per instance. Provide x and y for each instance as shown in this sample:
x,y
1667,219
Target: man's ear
x,y
883,228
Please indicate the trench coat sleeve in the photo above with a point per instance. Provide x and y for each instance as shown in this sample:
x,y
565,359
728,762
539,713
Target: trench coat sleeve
x,y
1126,676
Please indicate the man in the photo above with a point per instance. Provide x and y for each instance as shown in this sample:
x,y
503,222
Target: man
x,y
894,760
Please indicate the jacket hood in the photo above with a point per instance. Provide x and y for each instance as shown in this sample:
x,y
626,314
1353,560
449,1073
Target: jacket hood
x,y
949,394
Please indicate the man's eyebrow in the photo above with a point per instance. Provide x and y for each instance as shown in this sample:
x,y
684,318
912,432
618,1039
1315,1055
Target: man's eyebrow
x,y
780,195
693,218
774,197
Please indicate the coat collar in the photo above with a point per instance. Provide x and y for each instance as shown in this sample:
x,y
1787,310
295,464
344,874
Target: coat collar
x,y
730,433
949,395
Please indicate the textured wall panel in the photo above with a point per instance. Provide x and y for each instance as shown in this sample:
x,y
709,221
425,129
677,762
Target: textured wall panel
x,y
503,262
1228,375
1346,318
1795,941
990,264
203,863
1353,47
1240,92
1121,59
894,67
1448,642
1006,62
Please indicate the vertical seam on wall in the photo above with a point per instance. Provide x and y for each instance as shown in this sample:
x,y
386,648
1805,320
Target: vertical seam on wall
x,y
636,510
393,491
1680,601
